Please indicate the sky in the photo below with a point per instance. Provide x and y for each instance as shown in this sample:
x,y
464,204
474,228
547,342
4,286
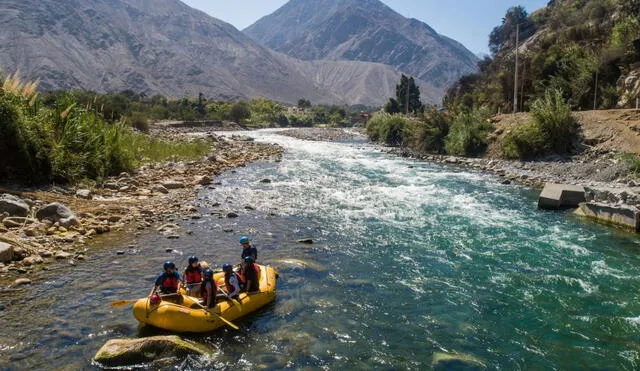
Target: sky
x,y
467,21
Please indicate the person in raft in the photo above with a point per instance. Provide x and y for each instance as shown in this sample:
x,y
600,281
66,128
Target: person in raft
x,y
209,289
232,281
167,283
193,276
248,249
251,275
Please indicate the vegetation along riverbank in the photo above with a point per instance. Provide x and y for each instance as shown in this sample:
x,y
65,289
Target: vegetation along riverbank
x,y
105,176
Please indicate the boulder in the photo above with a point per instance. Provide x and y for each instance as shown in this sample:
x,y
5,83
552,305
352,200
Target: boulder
x,y
84,193
6,252
173,184
305,240
266,180
13,205
232,215
456,361
130,352
203,180
22,281
58,213
621,215
558,196
62,255
158,188
32,260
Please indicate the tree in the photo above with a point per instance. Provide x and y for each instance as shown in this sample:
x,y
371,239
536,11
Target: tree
x,y
240,112
304,103
504,34
408,89
392,106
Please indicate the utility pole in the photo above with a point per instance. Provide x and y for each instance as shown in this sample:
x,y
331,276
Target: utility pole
x,y
515,81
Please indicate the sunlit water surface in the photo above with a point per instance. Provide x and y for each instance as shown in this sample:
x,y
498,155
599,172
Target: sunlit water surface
x,y
409,259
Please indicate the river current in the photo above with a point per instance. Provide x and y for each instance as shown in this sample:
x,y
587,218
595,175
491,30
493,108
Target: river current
x,y
410,259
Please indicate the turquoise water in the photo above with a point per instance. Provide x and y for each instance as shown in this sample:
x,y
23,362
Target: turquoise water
x,y
410,259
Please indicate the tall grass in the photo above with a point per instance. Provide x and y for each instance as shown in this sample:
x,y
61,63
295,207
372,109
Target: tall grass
x,y
387,128
553,129
468,134
67,142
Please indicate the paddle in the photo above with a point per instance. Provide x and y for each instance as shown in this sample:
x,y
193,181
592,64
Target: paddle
x,y
233,301
217,315
124,303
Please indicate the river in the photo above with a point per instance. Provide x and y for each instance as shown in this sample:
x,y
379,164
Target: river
x,y
409,259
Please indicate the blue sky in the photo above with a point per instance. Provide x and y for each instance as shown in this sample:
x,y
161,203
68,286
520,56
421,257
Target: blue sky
x,y
468,21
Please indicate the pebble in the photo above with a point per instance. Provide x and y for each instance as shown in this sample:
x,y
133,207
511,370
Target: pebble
x,y
22,281
81,257
168,250
232,215
120,252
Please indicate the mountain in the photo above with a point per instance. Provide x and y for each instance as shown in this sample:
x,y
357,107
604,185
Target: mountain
x,y
363,30
166,47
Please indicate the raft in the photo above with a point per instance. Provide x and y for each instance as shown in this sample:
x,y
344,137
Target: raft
x,y
188,316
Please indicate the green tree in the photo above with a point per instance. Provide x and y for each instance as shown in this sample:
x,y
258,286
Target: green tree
x,y
304,103
407,89
506,33
240,112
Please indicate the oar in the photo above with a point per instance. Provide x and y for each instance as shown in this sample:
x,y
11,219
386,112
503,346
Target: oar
x,y
217,315
124,303
233,301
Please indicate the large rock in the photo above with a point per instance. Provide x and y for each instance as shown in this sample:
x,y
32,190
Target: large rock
x,y
621,215
58,213
173,184
456,361
13,205
6,252
129,352
558,196
84,193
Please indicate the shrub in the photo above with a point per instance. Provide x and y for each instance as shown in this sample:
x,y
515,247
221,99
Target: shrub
x,y
527,141
139,121
555,121
468,134
429,133
387,128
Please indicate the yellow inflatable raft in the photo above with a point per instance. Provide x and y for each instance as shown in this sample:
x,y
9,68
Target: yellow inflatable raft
x,y
188,316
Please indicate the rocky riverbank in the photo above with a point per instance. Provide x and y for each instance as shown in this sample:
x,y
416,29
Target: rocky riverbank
x,y
42,226
325,134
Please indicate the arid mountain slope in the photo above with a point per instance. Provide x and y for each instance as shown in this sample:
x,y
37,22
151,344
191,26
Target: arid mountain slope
x,y
363,30
164,46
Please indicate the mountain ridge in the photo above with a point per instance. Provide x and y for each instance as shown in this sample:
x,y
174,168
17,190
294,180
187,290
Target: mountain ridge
x,y
167,47
364,31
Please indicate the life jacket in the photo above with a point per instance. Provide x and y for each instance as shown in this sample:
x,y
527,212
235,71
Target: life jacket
x,y
204,294
227,281
169,282
255,282
193,275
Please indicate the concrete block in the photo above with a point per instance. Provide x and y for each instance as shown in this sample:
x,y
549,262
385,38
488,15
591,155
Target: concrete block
x,y
559,196
620,215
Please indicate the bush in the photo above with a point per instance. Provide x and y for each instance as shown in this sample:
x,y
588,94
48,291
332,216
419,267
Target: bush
x,y
387,128
139,121
555,121
552,130
428,134
468,134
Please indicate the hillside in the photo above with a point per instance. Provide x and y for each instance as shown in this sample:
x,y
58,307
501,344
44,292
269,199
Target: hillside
x,y
604,131
166,47
363,30
588,49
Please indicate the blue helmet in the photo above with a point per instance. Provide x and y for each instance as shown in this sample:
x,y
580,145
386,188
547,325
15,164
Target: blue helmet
x,y
227,268
169,264
244,239
208,273
248,259
193,259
